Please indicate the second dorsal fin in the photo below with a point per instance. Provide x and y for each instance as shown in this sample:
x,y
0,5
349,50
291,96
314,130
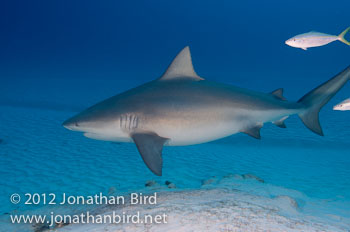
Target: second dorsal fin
x,y
278,93
181,67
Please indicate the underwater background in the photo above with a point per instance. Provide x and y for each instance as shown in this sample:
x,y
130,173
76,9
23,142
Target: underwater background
x,y
59,57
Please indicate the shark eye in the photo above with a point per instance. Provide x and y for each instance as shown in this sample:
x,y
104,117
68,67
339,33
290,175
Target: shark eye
x,y
76,124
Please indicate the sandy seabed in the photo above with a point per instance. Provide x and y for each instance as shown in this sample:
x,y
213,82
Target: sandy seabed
x,y
215,210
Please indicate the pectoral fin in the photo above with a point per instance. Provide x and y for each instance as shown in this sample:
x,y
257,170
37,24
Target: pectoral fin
x,y
253,131
150,146
304,49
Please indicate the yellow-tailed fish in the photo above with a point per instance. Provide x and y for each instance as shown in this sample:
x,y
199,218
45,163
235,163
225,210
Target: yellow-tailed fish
x,y
315,39
342,106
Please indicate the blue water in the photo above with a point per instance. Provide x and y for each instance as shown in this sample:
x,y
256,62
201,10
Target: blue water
x,y
58,58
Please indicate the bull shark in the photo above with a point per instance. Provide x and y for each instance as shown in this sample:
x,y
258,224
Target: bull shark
x,y
181,108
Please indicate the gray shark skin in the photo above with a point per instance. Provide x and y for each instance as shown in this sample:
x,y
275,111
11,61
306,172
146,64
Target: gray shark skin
x,y
181,108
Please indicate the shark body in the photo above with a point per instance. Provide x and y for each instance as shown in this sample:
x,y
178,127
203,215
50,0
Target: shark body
x,y
181,108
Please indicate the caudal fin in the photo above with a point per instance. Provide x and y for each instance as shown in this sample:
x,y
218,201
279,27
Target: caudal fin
x,y
318,97
342,36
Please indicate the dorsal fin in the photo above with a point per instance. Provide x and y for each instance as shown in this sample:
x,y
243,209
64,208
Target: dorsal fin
x,y
181,67
278,93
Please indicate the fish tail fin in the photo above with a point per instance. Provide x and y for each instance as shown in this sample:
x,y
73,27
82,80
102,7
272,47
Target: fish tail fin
x,y
342,36
313,101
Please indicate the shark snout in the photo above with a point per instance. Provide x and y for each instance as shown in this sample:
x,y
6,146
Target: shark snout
x,y
71,124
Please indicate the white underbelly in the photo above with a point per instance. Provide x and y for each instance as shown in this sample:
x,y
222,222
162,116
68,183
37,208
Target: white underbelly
x,y
197,135
178,135
181,132
201,133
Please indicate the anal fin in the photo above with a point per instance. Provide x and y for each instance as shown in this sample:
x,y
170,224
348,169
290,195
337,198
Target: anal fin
x,y
280,123
150,146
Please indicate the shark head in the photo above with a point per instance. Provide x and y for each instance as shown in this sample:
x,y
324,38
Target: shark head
x,y
87,121
98,122
80,123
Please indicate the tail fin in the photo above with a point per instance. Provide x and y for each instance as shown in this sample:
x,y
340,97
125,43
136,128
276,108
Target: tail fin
x,y
342,35
318,97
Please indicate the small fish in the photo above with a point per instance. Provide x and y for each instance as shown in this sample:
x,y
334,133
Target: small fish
x,y
315,39
342,106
